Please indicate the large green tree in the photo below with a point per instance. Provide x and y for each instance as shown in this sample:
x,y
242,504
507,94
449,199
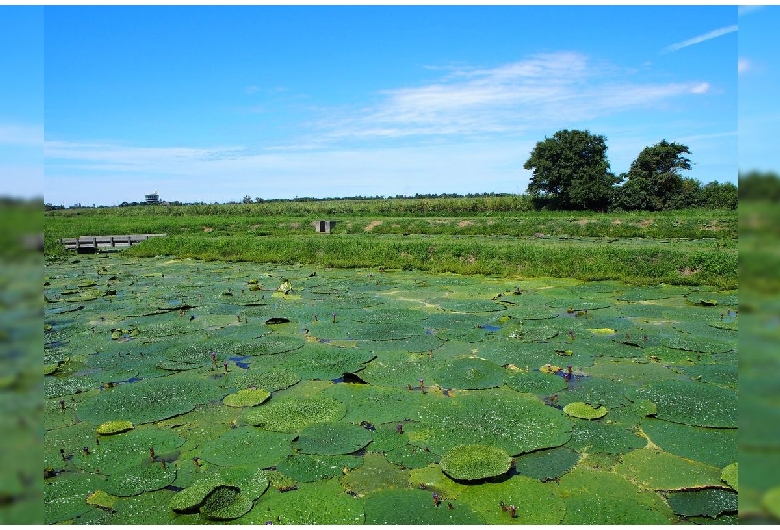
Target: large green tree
x,y
572,170
654,179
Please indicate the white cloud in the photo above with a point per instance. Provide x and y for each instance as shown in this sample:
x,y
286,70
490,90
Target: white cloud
x,y
701,38
556,88
743,65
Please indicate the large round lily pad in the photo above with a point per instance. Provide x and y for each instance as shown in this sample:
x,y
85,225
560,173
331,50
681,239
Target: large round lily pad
x,y
475,461
471,373
376,404
693,403
535,382
332,439
709,502
312,468
271,380
659,470
599,497
595,437
415,507
400,369
717,447
292,415
65,496
322,502
248,397
149,400
136,479
515,422
125,450
375,474
535,503
247,446
547,463
326,362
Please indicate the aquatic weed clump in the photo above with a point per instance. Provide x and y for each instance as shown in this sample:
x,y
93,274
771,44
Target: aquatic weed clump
x,y
114,427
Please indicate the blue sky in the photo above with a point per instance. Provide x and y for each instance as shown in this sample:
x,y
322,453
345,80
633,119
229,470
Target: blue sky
x,y
214,103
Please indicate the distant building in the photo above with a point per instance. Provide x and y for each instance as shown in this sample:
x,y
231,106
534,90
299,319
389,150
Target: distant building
x,y
152,198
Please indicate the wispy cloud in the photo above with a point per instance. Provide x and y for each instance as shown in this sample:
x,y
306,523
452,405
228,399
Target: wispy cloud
x,y
743,65
701,38
558,88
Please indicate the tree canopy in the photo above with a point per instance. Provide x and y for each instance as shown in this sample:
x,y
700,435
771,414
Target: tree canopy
x,y
572,170
654,179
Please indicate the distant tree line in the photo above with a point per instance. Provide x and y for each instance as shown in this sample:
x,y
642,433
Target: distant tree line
x,y
758,186
571,172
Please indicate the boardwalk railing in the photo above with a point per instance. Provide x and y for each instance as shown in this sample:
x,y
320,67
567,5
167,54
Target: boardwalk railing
x,y
90,244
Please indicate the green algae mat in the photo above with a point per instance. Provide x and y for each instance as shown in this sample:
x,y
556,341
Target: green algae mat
x,y
192,392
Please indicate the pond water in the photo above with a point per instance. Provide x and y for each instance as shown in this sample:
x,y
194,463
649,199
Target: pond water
x,y
588,388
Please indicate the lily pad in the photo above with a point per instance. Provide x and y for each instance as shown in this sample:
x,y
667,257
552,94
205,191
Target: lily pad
x,y
125,450
730,475
248,397
376,404
65,496
547,463
270,380
225,503
332,439
717,447
312,468
471,373
578,409
292,415
114,427
411,456
136,479
601,497
595,437
536,382
515,422
692,403
708,502
535,503
247,446
322,502
327,362
375,474
415,507
659,470
149,400
475,461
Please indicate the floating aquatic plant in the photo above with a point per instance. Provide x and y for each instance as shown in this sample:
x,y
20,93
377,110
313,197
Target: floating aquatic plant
x,y
730,475
292,415
271,380
114,427
375,474
332,439
144,476
584,411
248,397
547,463
64,497
247,446
596,437
124,450
596,497
475,461
515,422
415,507
716,447
692,403
312,468
471,373
708,502
150,399
533,502
659,470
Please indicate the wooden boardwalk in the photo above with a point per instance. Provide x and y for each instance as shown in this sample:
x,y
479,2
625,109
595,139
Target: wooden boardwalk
x,y
91,244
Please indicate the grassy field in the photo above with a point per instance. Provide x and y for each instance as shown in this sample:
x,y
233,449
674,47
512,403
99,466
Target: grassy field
x,y
488,235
